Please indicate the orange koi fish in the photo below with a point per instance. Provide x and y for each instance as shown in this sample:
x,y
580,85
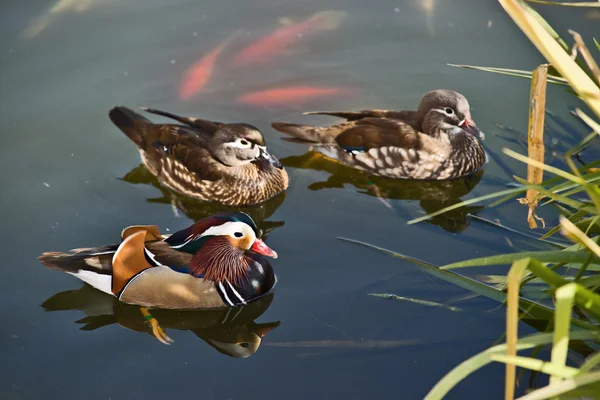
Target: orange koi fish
x,y
288,95
198,75
270,45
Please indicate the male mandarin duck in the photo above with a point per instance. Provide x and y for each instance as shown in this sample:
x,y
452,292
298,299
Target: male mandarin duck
x,y
207,160
438,141
217,262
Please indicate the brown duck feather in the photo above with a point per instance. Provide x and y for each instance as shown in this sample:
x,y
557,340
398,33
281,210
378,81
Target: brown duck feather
x,y
181,157
409,117
203,124
439,141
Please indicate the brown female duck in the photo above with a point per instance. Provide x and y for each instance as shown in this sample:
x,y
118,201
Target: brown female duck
x,y
438,141
206,160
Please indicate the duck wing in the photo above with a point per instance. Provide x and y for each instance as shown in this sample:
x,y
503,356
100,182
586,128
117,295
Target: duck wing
x,y
368,133
408,116
144,132
163,254
361,134
170,149
182,150
202,124
387,147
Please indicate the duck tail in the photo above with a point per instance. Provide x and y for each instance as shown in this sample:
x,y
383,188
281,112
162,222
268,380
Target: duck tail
x,y
131,123
304,133
98,260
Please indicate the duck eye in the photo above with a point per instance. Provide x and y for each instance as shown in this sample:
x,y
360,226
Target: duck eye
x,y
449,111
244,142
238,234
245,345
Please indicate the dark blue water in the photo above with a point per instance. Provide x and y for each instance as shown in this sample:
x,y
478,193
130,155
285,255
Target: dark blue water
x,y
69,179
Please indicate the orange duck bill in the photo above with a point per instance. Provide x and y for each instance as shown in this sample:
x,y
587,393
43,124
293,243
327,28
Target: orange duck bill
x,y
261,248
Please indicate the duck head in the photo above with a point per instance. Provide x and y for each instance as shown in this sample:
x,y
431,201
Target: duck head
x,y
240,341
222,245
447,111
240,144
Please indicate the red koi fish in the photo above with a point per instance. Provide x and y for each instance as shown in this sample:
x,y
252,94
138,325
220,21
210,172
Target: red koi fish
x,y
198,75
288,95
275,42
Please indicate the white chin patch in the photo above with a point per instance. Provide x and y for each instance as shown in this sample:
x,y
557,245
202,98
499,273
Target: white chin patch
x,y
452,129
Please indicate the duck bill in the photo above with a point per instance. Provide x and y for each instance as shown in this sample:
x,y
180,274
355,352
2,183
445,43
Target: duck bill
x,y
469,126
262,329
266,157
261,248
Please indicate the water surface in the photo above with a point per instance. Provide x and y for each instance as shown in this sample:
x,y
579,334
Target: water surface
x,y
69,180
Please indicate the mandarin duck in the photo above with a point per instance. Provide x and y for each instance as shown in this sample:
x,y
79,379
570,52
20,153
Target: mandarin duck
x,y
438,141
207,160
231,331
216,262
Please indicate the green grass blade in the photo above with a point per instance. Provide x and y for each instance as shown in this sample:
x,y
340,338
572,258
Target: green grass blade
x,y
563,387
545,167
590,177
511,193
590,281
584,298
515,275
573,217
569,201
565,297
558,3
456,279
554,256
578,236
579,146
512,72
466,203
534,309
467,367
546,26
590,363
512,230
567,194
536,365
588,121
413,300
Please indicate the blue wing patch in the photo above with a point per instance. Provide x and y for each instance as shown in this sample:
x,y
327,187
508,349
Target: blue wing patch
x,y
354,150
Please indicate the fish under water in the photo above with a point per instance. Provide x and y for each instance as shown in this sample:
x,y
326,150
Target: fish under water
x,y
289,95
40,23
277,41
197,76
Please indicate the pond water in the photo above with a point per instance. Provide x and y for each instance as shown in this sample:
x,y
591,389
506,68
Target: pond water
x,y
71,179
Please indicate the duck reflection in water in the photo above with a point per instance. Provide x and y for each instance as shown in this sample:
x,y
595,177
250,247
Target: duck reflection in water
x,y
231,331
197,209
432,195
